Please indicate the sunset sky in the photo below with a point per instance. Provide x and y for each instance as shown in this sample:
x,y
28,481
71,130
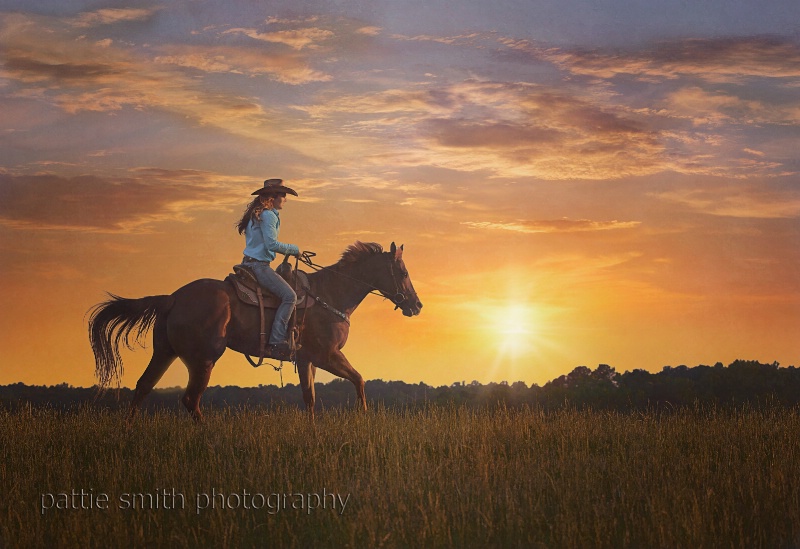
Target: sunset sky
x,y
575,182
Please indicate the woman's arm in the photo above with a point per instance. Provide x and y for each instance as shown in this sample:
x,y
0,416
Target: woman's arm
x,y
269,230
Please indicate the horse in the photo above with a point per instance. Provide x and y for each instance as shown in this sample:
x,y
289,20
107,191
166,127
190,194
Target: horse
x,y
202,319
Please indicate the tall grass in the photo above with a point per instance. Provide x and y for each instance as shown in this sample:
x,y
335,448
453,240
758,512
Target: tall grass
x,y
433,477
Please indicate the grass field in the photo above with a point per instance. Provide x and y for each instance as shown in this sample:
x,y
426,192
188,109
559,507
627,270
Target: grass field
x,y
433,477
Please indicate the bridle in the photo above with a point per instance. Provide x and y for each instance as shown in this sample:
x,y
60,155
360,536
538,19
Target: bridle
x,y
398,297
305,257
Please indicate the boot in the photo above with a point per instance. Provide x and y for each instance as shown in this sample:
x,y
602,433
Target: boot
x,y
281,351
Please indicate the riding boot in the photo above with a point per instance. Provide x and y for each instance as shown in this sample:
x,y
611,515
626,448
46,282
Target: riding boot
x,y
280,351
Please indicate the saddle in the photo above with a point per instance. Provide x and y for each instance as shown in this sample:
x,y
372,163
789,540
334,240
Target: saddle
x,y
244,282
250,292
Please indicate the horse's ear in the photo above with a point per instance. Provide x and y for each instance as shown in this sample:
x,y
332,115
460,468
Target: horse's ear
x,y
393,248
398,252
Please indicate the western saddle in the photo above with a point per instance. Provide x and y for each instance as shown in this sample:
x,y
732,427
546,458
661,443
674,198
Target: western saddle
x,y
250,292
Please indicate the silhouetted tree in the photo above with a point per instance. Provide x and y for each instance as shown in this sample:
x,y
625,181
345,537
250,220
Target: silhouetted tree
x,y
743,381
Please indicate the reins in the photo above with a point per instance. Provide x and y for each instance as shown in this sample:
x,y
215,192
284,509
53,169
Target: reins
x,y
398,299
305,258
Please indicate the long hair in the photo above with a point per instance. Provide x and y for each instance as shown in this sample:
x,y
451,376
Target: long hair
x,y
253,211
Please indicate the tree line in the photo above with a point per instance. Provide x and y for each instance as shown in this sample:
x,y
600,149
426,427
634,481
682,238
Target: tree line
x,y
743,382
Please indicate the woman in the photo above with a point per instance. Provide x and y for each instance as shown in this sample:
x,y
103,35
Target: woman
x,y
260,224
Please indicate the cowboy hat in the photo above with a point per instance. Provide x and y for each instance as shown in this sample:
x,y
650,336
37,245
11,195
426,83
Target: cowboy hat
x,y
274,186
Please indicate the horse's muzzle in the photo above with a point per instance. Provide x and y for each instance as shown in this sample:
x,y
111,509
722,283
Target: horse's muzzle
x,y
411,307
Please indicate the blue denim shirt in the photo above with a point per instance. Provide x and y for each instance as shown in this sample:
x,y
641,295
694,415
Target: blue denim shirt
x,y
261,238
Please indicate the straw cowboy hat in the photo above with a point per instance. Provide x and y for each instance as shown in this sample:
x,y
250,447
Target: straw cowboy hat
x,y
274,186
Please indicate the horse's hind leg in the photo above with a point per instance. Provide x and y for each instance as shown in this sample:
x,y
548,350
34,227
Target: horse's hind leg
x,y
199,374
200,362
197,332
163,357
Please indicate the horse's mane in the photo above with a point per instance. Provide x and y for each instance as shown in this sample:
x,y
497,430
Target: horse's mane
x,y
359,250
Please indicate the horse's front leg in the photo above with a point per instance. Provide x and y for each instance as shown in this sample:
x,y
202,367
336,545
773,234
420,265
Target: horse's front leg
x,y
306,373
337,364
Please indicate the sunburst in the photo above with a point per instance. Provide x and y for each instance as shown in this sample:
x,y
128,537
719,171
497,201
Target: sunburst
x,y
513,328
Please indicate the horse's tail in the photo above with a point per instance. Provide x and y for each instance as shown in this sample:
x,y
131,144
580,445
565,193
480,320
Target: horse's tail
x,y
113,321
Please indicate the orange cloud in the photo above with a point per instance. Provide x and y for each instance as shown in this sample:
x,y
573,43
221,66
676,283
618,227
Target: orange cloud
x,y
392,101
294,38
108,16
515,129
563,225
707,107
712,60
114,205
369,30
288,69
512,129
739,201
77,75
460,39
488,134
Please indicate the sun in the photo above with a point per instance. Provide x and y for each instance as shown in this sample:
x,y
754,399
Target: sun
x,y
513,327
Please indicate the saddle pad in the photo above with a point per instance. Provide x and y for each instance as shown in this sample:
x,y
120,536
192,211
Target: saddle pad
x,y
246,292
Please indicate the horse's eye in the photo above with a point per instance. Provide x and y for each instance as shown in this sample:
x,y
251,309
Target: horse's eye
x,y
404,274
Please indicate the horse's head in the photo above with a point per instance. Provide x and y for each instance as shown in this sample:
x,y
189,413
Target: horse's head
x,y
394,282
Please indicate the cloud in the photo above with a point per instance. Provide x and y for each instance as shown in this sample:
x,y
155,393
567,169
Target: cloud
x,y
76,75
461,39
488,134
393,101
512,129
360,233
28,69
577,129
703,100
131,204
274,20
369,30
563,225
285,68
108,16
294,38
519,129
525,130
717,108
718,60
738,201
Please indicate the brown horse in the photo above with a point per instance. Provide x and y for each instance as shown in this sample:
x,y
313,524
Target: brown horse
x,y
200,320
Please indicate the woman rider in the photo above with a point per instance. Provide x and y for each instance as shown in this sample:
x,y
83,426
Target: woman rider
x,y
260,224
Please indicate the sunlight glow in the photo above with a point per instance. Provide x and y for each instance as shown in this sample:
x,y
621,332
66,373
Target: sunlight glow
x,y
513,328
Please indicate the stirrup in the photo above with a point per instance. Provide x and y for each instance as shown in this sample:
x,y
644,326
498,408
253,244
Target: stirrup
x,y
282,351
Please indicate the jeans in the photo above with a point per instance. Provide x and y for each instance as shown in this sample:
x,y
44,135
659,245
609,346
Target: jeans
x,y
273,282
